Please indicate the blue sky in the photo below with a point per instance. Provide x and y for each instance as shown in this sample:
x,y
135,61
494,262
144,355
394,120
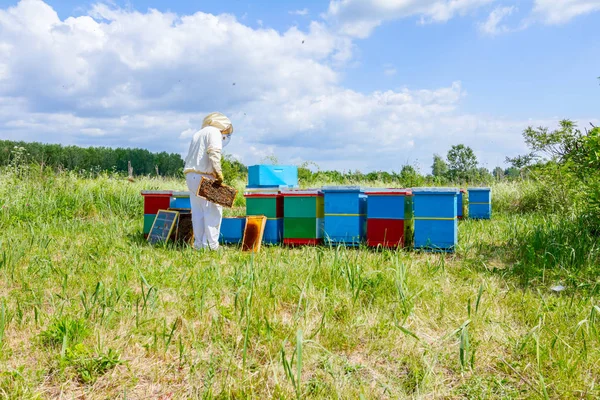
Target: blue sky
x,y
348,84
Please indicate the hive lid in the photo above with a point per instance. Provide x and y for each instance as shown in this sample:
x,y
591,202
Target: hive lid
x,y
157,192
388,191
342,189
435,190
480,189
181,194
269,166
302,192
270,187
262,194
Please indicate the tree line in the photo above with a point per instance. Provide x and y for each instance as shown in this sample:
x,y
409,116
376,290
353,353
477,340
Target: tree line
x,y
103,159
460,167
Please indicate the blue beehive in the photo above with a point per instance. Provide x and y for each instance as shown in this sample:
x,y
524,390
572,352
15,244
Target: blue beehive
x,y
387,203
480,203
232,230
272,176
180,200
435,215
345,215
273,231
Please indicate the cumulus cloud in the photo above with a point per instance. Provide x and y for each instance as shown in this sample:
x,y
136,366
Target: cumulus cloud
x,y
557,12
492,26
124,78
358,18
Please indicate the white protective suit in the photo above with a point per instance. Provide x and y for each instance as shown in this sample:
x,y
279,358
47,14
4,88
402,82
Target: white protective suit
x,y
204,159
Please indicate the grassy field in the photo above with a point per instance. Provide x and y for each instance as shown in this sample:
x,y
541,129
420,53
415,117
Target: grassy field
x,y
89,310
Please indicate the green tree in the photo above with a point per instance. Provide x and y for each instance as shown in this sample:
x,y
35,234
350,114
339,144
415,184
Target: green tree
x,y
484,175
498,173
512,173
95,159
439,167
462,163
409,176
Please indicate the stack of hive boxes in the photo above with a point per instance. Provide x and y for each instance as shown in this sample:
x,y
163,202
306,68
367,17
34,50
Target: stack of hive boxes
x,y
435,214
480,203
269,204
345,215
154,200
263,196
303,217
389,217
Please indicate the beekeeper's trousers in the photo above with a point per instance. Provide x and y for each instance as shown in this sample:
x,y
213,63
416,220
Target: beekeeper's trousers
x,y
206,216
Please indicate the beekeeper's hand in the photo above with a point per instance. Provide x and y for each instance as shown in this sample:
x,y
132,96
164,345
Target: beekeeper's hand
x,y
219,178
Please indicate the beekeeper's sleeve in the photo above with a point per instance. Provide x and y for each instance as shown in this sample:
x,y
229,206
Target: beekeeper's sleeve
x,y
214,147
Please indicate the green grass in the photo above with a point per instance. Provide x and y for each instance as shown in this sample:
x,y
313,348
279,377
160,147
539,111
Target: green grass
x,y
87,308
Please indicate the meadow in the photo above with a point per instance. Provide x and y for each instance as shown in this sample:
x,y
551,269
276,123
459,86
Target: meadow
x,y
89,310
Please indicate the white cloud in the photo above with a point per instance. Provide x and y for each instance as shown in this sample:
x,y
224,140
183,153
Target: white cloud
x,y
125,78
492,25
561,11
303,12
358,18
389,70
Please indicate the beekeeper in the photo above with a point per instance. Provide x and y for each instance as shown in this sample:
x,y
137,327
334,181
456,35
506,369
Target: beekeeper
x,y
204,159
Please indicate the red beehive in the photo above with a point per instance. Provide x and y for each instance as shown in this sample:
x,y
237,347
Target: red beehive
x,y
156,200
302,242
389,213
385,232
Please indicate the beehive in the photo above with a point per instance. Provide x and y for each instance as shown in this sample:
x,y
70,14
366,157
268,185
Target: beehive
x,y
389,217
269,204
303,217
232,230
154,200
180,200
277,176
480,203
460,204
345,215
435,215
273,231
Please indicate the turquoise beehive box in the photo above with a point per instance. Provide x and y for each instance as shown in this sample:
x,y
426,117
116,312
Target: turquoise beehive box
x,y
272,176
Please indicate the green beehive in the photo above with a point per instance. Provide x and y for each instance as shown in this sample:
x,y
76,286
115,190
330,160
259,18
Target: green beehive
x,y
303,213
269,205
303,228
297,206
148,222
